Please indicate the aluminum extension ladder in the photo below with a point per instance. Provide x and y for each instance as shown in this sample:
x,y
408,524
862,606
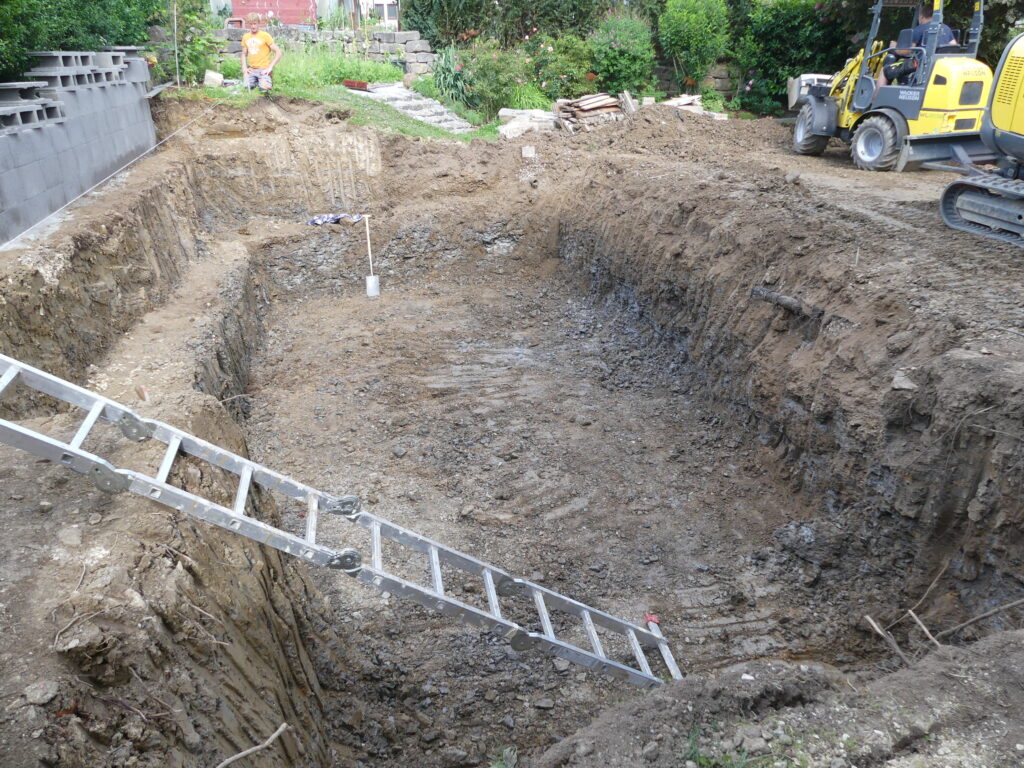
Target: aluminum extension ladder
x,y
553,614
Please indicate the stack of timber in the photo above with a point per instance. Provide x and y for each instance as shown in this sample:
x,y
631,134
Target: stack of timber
x,y
588,110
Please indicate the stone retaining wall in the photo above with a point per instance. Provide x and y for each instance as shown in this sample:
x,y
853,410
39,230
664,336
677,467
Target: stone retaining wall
x,y
405,49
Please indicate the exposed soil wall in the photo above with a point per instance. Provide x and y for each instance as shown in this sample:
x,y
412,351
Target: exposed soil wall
x,y
870,393
180,643
70,297
629,425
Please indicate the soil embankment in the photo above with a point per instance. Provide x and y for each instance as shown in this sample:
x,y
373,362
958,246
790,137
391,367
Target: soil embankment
x,y
664,365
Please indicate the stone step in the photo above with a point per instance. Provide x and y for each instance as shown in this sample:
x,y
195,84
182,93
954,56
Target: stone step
x,y
419,107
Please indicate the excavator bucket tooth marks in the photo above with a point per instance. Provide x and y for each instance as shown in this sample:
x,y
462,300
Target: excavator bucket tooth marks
x,y
433,575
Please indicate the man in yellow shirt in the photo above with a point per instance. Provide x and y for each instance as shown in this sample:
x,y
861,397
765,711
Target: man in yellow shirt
x,y
257,46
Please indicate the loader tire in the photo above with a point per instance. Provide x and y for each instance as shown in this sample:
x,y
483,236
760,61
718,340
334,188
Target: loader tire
x,y
875,145
805,142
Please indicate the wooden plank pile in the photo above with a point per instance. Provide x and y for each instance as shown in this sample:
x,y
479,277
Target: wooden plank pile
x,y
574,114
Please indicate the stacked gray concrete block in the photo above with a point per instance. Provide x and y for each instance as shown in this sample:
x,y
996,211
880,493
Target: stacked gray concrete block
x,y
406,49
80,117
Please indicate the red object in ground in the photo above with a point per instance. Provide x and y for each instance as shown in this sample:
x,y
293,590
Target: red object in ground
x,y
286,11
359,85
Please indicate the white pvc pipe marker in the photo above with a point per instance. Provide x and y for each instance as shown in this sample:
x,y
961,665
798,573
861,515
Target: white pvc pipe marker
x,y
372,281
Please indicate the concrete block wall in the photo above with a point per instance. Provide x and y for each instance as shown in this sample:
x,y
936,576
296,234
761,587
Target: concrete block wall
x,y
406,49
79,117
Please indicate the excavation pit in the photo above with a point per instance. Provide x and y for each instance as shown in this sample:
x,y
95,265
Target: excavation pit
x,y
565,375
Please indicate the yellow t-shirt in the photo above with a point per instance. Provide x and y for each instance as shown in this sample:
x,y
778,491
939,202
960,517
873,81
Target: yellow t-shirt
x,y
257,49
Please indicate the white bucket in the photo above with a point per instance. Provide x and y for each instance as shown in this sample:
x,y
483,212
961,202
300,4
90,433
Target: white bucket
x,y
372,285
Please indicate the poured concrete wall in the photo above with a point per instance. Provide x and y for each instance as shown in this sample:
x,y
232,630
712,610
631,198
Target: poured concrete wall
x,y
78,118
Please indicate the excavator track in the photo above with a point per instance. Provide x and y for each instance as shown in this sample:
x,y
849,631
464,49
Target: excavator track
x,y
987,205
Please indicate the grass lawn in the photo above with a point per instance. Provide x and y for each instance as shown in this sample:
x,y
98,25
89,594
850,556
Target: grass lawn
x,y
314,75
364,111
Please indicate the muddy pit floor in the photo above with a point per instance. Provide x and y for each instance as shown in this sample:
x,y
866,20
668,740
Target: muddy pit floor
x,y
489,401
553,440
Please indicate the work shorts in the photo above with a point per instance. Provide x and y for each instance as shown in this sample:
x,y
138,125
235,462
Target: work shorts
x,y
260,77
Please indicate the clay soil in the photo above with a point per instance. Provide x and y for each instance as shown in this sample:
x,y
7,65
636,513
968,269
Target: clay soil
x,y
565,375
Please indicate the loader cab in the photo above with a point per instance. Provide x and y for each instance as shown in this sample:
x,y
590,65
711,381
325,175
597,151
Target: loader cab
x,y
940,89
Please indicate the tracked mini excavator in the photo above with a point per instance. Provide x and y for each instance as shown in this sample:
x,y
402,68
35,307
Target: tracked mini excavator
x,y
943,92
987,201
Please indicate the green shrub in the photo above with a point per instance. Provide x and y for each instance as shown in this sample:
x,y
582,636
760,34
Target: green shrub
x,y
493,75
562,65
425,86
623,53
694,33
450,76
231,67
712,100
528,96
451,22
785,38
73,25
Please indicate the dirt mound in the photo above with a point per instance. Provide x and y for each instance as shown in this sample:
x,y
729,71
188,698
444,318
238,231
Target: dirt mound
x,y
950,710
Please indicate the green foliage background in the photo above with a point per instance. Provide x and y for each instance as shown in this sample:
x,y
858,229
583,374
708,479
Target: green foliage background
x,y
624,53
695,33
784,38
74,25
447,22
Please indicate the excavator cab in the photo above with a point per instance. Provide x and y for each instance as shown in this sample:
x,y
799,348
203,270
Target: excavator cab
x,y
939,89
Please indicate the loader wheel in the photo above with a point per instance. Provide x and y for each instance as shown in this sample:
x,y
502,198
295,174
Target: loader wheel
x,y
875,146
805,142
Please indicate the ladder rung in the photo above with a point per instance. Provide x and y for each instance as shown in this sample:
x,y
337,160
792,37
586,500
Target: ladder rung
x,y
595,640
169,456
312,509
542,611
88,424
9,376
244,481
492,595
435,571
666,652
377,557
638,652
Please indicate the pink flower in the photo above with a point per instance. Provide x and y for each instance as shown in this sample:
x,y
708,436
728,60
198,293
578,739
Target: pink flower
x,y
518,80
458,67
550,49
526,38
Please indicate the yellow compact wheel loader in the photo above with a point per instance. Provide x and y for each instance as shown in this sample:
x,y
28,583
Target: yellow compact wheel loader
x,y
987,201
941,90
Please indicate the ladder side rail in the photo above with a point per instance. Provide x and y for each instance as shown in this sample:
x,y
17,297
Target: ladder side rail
x,y
63,390
232,462
46,447
214,513
601,664
429,599
520,639
555,600
420,543
86,463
